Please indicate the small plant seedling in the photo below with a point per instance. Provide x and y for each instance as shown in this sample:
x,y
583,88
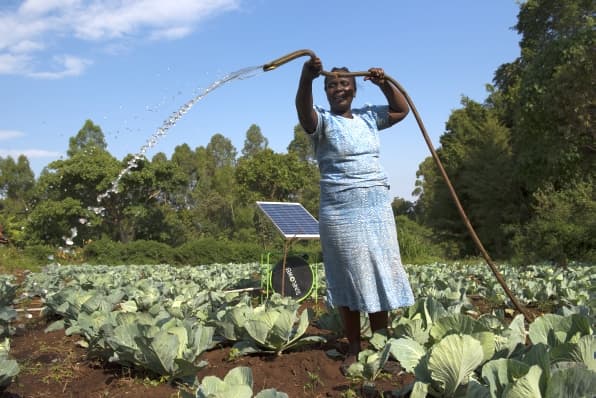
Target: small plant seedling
x,y
314,382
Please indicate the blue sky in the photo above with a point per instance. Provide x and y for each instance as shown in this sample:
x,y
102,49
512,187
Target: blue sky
x,y
128,65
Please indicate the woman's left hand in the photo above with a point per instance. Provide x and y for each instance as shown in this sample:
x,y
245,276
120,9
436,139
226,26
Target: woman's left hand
x,y
377,76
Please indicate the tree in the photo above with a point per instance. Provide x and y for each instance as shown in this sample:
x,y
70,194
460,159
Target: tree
x,y
215,195
402,207
16,181
66,194
254,142
16,190
90,135
272,176
222,152
301,145
534,132
553,136
146,204
476,155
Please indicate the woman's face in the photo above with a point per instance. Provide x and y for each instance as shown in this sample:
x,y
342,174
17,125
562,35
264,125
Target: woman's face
x,y
340,93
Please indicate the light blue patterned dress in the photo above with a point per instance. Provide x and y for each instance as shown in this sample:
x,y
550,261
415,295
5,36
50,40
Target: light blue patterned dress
x,y
361,255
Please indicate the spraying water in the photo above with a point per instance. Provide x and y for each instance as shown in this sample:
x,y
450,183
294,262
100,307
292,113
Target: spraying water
x,y
170,122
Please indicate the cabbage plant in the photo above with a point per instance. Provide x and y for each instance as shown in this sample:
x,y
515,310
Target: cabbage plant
x,y
9,368
480,358
231,321
164,345
279,329
7,313
520,378
369,365
238,383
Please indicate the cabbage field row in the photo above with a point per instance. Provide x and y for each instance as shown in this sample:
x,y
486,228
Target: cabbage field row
x,y
163,318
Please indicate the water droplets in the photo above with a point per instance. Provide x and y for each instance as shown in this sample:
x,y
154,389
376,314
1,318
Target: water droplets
x,y
98,210
171,121
69,240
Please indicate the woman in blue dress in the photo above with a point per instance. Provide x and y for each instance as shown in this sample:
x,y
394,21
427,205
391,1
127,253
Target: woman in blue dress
x,y
358,235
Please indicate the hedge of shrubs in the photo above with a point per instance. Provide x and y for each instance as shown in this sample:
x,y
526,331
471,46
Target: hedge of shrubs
x,y
195,252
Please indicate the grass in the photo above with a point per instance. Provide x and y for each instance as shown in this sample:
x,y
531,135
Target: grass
x,y
12,259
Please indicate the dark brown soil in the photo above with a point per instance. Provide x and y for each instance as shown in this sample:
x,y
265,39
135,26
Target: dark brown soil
x,y
53,365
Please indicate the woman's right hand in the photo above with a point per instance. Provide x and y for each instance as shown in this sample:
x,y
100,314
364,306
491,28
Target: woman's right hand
x,y
312,68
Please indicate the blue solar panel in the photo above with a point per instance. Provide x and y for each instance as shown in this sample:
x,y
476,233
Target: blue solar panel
x,y
291,219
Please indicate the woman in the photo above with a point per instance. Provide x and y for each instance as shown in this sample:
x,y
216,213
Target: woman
x,y
357,227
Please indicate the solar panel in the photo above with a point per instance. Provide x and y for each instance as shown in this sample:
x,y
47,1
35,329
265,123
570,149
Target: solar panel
x,y
291,219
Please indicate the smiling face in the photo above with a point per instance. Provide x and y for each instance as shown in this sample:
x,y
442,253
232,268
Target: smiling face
x,y
340,93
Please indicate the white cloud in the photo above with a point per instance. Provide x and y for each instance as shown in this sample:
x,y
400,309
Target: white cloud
x,y
171,33
38,7
27,46
68,66
10,134
29,153
11,63
35,30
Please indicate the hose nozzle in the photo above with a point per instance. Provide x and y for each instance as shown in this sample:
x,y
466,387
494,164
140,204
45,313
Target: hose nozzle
x,y
286,58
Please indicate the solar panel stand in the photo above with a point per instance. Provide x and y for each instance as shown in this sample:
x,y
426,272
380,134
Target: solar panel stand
x,y
306,231
287,245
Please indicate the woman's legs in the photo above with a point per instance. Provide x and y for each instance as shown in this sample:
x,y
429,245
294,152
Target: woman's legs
x,y
351,321
378,320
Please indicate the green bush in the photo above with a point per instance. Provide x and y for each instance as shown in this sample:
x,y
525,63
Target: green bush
x,y
562,228
416,242
31,257
211,250
195,252
105,251
38,255
146,252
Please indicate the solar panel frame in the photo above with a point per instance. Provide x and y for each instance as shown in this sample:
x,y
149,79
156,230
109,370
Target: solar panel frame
x,y
291,219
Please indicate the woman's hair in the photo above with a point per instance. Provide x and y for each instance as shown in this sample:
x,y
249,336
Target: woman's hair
x,y
341,69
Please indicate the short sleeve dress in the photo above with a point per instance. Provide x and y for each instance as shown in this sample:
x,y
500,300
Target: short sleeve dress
x,y
363,267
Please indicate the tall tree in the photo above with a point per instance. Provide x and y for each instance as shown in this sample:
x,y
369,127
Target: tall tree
x,y
301,145
476,155
148,202
16,179
539,122
254,142
216,195
222,151
553,136
65,195
90,135
272,176
17,182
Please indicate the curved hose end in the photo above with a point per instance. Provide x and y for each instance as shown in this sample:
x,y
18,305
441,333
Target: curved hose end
x,y
286,58
269,66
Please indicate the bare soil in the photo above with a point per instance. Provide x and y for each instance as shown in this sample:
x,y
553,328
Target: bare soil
x,y
53,365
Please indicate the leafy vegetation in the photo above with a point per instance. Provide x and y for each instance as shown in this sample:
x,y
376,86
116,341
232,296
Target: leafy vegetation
x,y
237,383
161,319
9,368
